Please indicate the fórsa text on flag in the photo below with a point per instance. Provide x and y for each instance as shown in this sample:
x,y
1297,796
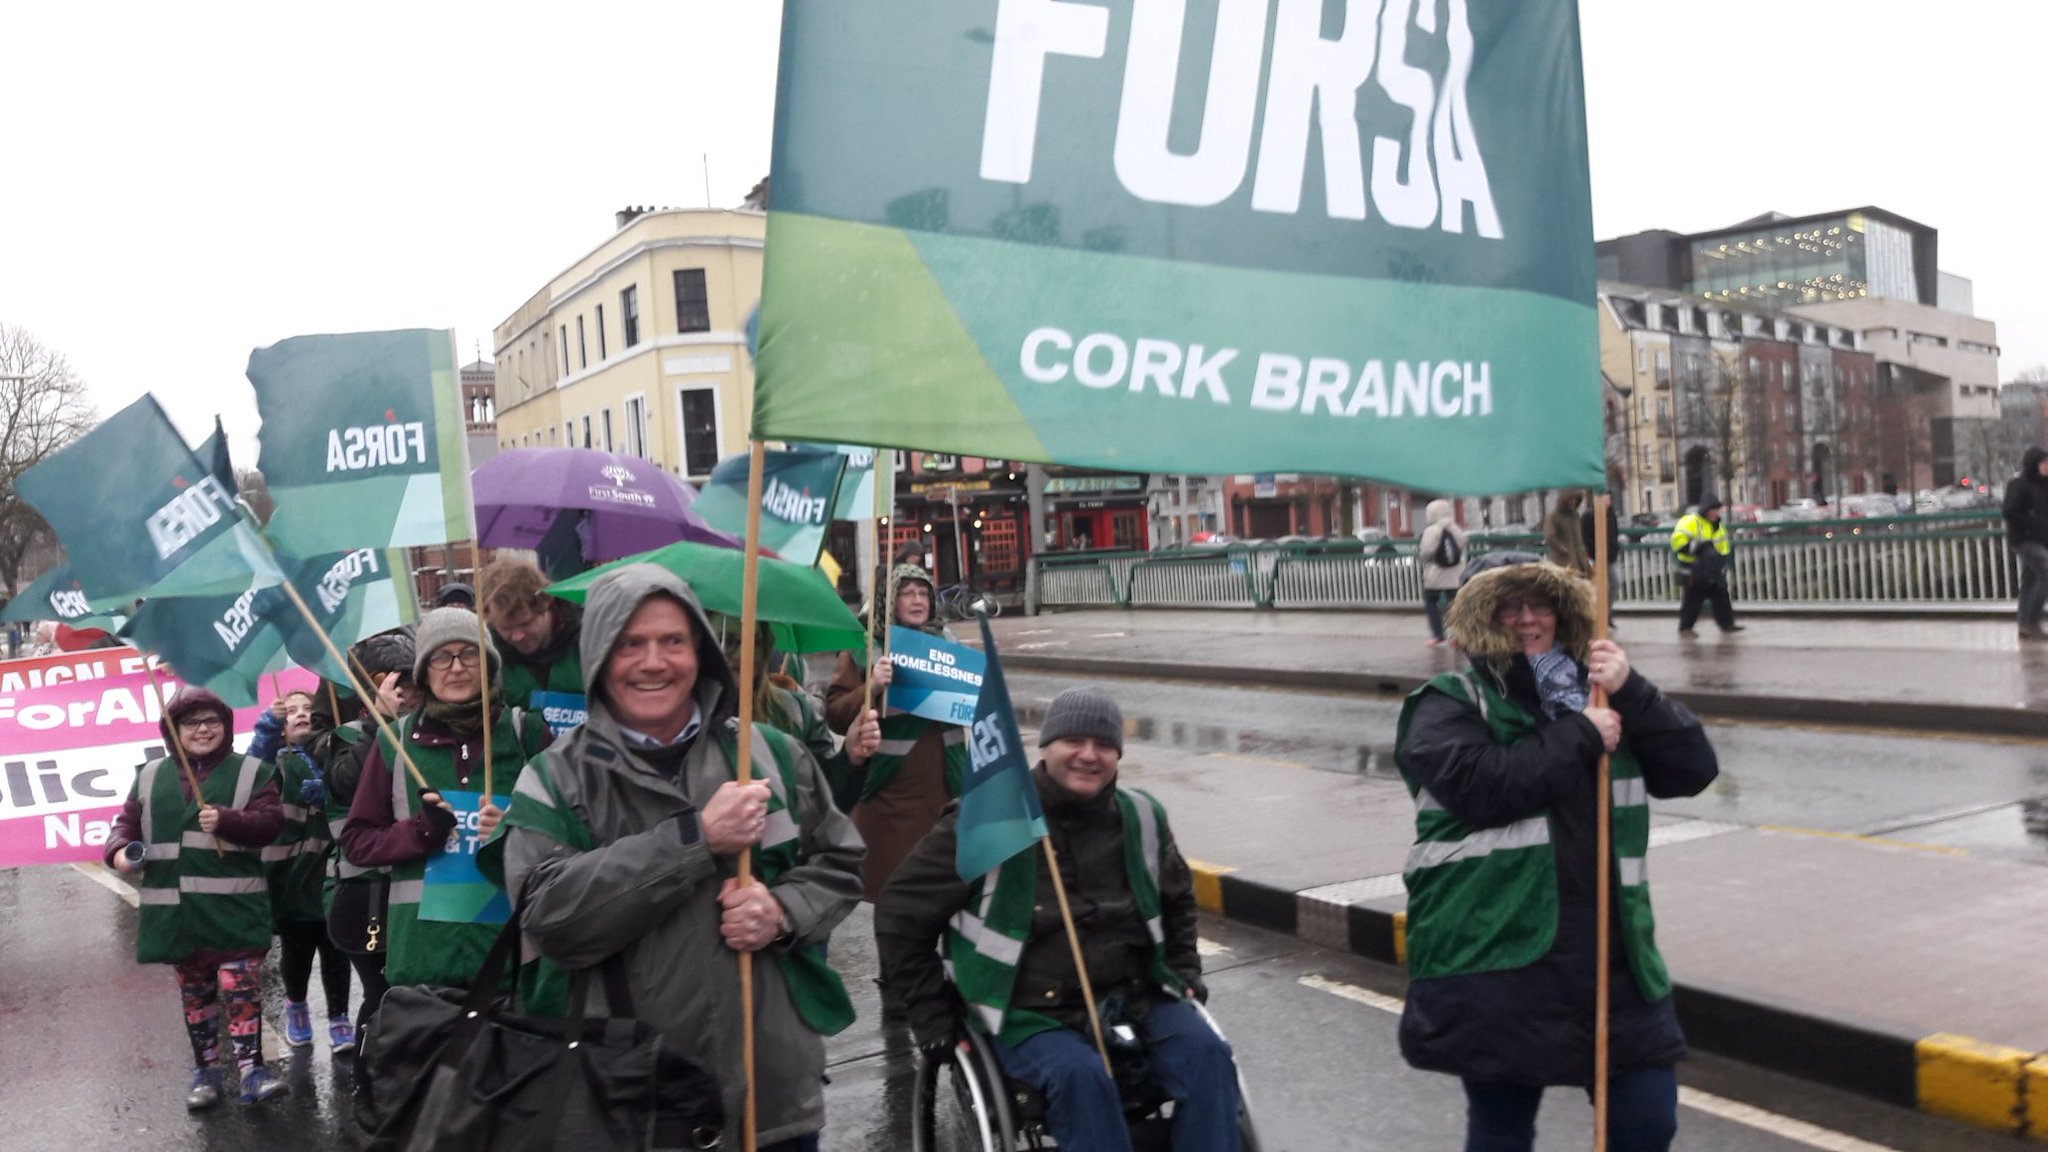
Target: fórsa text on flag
x,y
363,443
1101,233
138,513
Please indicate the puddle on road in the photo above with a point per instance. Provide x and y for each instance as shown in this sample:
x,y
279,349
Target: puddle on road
x,y
1371,760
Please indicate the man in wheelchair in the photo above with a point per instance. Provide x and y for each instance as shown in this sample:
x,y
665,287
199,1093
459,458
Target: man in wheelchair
x,y
1013,966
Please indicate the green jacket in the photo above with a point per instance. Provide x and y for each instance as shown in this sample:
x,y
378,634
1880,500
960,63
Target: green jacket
x,y
296,862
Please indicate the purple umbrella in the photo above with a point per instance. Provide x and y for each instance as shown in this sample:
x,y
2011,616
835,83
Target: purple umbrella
x,y
614,505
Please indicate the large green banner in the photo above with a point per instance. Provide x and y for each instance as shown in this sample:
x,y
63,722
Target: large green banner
x,y
1337,236
362,441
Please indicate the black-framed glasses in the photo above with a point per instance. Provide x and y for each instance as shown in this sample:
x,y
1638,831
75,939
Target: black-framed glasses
x,y
447,658
195,723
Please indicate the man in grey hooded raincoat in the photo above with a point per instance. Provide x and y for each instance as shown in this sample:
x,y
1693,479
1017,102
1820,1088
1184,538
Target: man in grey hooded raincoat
x,y
624,837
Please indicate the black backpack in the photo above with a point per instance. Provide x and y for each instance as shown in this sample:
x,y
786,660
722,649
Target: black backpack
x,y
1447,552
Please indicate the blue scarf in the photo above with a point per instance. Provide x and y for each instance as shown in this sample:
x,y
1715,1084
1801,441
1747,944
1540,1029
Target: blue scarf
x,y
1557,682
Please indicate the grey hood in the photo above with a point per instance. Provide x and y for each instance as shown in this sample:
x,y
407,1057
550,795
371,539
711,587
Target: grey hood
x,y
612,602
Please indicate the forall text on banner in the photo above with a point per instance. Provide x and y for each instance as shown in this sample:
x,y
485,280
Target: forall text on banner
x,y
75,729
933,678
1112,233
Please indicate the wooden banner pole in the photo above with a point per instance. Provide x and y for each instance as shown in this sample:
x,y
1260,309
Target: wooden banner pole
x,y
163,704
743,770
1603,851
1059,889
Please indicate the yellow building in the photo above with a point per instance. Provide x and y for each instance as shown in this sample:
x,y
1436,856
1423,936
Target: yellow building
x,y
640,346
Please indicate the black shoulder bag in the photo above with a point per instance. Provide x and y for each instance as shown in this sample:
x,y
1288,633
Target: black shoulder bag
x,y
465,1070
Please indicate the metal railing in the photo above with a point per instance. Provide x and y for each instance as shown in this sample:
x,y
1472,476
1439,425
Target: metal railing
x,y
1954,558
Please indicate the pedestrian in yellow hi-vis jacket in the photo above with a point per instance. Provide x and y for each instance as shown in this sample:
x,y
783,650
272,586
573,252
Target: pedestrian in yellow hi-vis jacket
x,y
1700,546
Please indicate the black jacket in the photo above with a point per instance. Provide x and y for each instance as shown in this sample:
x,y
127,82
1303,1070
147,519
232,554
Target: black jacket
x,y
925,892
1613,532
2026,502
1534,1025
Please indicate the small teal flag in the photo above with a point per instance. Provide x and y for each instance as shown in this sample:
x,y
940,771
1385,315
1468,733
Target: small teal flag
x,y
797,491
999,813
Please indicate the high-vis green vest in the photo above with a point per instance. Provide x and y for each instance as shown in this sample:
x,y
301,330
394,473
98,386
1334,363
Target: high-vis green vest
x,y
347,740
517,683
1485,899
986,939
815,988
434,951
900,733
199,891
296,862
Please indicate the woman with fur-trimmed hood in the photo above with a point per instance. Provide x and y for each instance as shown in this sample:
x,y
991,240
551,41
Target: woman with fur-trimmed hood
x,y
1502,760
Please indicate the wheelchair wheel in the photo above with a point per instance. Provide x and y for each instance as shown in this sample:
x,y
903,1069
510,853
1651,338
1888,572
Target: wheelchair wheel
x,y
1248,1135
956,1107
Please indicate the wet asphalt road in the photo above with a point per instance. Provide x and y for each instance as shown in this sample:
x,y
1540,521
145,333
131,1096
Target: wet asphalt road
x,y
92,1054
1989,796
94,1057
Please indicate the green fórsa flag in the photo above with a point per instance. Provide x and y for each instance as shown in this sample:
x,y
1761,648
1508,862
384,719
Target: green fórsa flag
x,y
999,813
139,514
1351,239
352,595
58,595
362,441
857,498
222,643
797,490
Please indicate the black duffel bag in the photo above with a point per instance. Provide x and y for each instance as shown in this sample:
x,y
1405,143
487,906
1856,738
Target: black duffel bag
x,y
456,1070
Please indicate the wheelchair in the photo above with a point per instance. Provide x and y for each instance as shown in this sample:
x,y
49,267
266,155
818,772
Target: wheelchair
x,y
964,1103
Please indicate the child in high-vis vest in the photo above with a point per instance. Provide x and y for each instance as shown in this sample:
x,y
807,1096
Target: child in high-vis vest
x,y
204,901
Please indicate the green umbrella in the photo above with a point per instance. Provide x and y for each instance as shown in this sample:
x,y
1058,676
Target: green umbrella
x,y
797,603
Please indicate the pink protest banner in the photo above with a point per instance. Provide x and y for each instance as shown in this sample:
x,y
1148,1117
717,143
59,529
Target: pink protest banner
x,y
74,728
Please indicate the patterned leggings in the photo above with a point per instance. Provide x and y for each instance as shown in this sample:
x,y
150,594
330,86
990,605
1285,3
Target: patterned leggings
x,y
204,987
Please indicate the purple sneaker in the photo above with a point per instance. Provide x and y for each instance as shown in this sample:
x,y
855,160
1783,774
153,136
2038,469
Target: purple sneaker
x,y
298,1024
342,1035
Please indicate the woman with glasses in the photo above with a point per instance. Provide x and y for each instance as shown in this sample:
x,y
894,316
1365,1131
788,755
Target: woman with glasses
x,y
394,822
205,904
1502,760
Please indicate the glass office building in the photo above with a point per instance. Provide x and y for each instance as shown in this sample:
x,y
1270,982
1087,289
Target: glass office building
x,y
1841,256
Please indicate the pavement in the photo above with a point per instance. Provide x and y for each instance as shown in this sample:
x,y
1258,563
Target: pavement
x,y
1907,972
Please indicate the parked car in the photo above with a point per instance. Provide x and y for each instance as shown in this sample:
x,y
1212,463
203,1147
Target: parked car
x,y
1803,509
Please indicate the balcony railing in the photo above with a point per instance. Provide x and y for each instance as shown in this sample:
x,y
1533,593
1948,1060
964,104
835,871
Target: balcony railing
x,y
1958,559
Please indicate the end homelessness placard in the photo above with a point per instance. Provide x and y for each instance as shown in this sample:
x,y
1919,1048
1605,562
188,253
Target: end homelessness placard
x,y
1241,236
933,677
73,731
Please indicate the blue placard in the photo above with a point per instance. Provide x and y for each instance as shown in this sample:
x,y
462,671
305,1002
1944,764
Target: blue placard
x,y
562,710
934,677
455,890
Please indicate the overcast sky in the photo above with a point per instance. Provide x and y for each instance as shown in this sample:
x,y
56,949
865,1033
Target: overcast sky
x,y
181,183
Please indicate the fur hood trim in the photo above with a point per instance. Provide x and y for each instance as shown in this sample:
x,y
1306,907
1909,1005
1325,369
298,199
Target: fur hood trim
x,y
1471,621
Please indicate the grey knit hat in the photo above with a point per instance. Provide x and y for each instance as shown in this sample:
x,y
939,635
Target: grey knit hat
x,y
440,628
1083,712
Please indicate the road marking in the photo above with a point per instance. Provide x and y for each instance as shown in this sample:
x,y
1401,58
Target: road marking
x,y
275,1053
1750,1116
1797,1131
1035,645
1278,763
1884,841
1107,635
112,883
1031,631
1207,947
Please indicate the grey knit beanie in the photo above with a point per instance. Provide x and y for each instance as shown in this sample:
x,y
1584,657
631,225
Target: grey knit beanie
x,y
1083,712
440,628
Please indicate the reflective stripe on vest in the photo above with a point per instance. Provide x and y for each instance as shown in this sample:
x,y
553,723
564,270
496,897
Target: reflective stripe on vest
x,y
1148,846
1527,833
1635,871
1630,792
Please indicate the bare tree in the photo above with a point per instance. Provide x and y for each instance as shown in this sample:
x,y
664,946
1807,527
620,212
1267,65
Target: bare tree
x,y
43,407
1716,407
